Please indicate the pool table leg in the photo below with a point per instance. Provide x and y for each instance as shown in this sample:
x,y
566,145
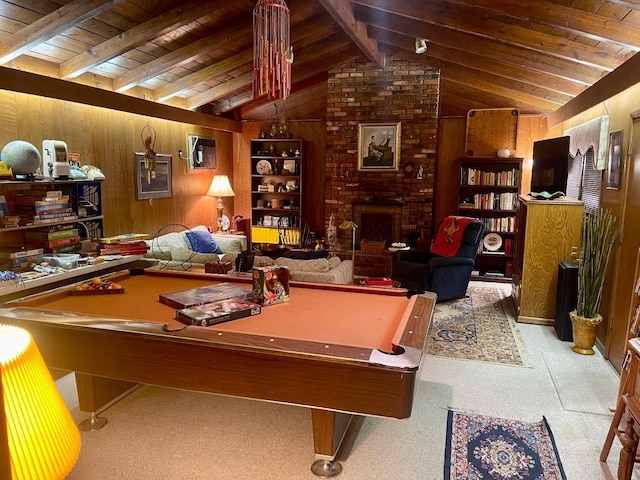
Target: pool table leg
x,y
95,393
329,429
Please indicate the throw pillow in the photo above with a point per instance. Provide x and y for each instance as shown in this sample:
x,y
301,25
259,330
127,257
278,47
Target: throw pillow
x,y
202,242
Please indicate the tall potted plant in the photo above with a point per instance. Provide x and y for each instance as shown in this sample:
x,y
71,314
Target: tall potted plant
x,y
599,231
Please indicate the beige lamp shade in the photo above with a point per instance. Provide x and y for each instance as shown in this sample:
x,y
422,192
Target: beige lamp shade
x,y
220,187
38,438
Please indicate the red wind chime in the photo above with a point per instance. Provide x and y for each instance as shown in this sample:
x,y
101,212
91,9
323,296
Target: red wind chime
x,y
272,53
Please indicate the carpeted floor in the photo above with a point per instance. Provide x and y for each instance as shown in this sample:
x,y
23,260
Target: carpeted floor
x,y
491,448
479,327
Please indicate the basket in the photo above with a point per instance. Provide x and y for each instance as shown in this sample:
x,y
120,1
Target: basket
x,y
372,247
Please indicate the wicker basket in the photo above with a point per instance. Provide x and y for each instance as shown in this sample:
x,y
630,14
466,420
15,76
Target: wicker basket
x,y
372,247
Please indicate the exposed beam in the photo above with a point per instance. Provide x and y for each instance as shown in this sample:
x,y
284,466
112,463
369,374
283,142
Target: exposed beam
x,y
465,19
181,56
586,24
221,90
49,26
623,77
342,13
33,84
211,72
137,35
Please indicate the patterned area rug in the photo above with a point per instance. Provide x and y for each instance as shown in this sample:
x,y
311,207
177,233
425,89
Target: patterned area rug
x,y
479,327
490,448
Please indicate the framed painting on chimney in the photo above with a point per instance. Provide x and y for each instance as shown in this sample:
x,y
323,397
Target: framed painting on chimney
x,y
378,146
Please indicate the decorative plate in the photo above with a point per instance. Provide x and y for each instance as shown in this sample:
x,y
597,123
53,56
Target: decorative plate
x,y
492,242
263,167
225,223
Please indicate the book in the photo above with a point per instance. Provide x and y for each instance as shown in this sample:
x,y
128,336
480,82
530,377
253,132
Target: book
x,y
207,294
214,313
18,252
4,209
53,235
56,242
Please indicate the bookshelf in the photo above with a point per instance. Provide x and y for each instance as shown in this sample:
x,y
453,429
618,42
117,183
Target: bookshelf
x,y
488,190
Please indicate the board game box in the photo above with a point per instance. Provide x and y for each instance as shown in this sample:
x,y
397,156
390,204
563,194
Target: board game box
x,y
217,312
201,295
270,285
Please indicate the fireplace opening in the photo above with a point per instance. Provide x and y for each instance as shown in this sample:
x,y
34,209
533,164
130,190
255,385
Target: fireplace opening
x,y
378,222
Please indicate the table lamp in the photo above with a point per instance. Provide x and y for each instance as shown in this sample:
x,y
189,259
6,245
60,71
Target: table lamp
x,y
346,225
38,438
220,187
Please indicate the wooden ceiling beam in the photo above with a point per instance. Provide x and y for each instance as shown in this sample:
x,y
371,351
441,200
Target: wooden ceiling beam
x,y
181,56
466,59
342,13
30,83
211,94
466,20
134,37
590,25
206,74
492,50
49,26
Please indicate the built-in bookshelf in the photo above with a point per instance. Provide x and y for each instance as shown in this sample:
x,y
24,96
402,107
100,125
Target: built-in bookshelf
x,y
488,189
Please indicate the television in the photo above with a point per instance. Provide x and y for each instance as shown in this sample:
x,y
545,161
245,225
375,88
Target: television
x,y
550,165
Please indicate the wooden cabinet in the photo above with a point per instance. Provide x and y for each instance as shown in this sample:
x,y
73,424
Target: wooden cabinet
x,y
546,233
276,187
488,190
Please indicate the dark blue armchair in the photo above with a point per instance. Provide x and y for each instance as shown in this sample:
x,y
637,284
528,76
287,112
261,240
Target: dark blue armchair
x,y
447,276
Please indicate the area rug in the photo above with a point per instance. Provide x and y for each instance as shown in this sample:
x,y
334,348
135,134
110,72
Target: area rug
x,y
490,448
479,327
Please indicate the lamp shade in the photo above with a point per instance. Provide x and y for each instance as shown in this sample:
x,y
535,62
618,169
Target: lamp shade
x,y
220,187
40,441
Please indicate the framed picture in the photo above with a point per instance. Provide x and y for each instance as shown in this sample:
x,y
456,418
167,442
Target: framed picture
x,y
378,146
201,153
160,184
615,160
290,165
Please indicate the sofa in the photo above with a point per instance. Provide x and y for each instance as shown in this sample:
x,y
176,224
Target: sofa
x,y
195,246
318,270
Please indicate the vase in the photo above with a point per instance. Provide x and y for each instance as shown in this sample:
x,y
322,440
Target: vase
x,y
584,332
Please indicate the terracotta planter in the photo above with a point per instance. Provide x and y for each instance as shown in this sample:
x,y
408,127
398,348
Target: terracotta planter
x,y
584,333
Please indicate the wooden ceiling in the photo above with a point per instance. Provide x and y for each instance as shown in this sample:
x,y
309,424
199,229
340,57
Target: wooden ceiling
x,y
532,55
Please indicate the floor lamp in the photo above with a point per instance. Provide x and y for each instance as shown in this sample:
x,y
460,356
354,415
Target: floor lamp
x,y
220,187
38,438
346,225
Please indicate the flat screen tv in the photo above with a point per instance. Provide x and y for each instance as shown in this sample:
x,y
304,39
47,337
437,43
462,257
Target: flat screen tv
x,y
550,165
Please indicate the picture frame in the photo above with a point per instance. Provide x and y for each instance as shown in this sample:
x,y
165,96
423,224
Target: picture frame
x,y
201,153
379,146
160,186
615,159
290,166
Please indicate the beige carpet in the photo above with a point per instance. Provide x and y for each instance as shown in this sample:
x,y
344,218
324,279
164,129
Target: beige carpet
x,y
479,327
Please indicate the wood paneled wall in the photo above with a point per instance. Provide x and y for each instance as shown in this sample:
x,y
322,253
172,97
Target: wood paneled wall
x,y
109,139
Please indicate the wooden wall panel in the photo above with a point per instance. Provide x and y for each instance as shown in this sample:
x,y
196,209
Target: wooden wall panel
x,y
109,139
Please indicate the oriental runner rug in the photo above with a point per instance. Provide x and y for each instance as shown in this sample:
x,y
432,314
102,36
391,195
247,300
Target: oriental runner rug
x,y
479,327
493,448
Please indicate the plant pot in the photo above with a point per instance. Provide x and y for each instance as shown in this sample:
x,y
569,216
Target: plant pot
x,y
584,332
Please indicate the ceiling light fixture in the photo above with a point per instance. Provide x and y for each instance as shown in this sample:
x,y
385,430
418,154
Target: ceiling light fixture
x,y
421,45
271,45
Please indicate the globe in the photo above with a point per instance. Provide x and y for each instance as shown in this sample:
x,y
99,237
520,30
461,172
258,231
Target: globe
x,y
21,156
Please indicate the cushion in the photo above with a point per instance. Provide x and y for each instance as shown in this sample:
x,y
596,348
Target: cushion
x,y
187,255
202,242
334,262
319,265
262,261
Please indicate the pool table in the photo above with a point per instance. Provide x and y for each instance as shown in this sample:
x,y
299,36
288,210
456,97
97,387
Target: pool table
x,y
339,350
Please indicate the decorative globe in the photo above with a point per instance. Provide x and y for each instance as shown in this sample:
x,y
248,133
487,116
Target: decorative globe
x,y
21,156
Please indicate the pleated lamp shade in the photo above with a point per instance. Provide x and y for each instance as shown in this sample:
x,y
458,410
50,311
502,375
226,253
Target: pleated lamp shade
x,y
38,438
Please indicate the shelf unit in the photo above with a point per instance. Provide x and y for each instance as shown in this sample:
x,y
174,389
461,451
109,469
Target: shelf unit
x,y
276,187
488,190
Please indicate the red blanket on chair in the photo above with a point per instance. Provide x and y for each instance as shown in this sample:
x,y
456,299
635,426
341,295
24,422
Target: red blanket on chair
x,y
449,236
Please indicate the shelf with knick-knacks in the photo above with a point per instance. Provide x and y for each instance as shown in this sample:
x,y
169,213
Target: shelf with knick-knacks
x,y
276,187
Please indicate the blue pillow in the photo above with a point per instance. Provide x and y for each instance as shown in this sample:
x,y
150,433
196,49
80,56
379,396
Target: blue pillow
x,y
203,242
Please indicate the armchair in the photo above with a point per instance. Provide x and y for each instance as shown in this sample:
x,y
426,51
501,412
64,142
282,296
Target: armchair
x,y
446,268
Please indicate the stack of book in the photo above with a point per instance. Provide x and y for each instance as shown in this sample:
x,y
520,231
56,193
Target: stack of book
x,y
42,207
63,238
19,259
127,247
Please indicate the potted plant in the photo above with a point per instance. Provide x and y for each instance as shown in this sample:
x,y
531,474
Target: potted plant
x,y
599,231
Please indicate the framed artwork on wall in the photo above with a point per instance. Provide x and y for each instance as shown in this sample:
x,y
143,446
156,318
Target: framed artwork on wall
x,y
615,159
378,146
160,184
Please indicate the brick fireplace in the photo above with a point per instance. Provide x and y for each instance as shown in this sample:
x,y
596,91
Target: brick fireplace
x,y
377,221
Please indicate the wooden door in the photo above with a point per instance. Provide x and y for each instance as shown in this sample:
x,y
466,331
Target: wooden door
x,y
627,250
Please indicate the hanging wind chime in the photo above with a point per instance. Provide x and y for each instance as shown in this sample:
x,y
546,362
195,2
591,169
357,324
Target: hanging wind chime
x,y
272,52
148,136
